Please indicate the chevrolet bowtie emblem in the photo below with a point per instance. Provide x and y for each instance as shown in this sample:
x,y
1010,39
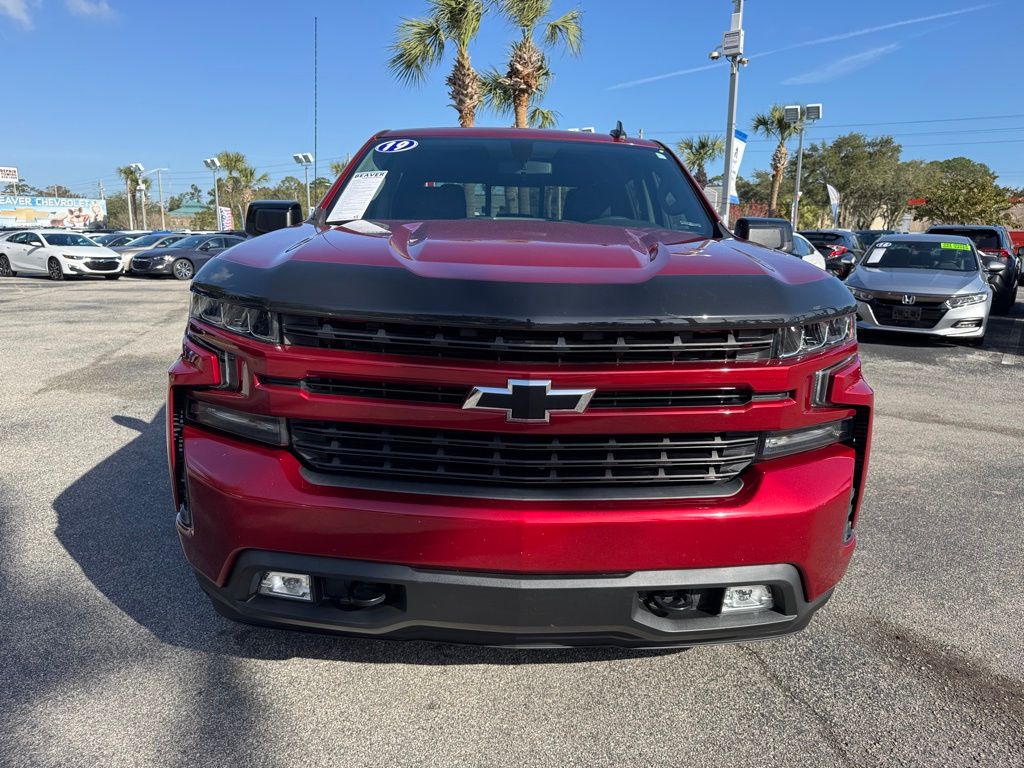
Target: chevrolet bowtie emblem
x,y
529,400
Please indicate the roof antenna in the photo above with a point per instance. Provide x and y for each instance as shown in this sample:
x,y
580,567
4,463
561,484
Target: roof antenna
x,y
618,132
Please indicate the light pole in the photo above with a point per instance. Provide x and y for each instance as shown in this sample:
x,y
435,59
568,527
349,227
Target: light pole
x,y
214,165
800,115
305,159
160,192
732,48
142,189
137,167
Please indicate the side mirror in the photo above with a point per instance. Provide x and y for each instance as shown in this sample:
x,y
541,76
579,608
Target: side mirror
x,y
771,233
848,260
995,266
1020,252
269,215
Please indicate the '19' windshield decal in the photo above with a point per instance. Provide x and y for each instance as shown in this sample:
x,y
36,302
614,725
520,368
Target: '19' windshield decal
x,y
396,145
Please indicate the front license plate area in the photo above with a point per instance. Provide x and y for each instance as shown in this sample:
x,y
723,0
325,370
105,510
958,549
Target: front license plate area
x,y
906,313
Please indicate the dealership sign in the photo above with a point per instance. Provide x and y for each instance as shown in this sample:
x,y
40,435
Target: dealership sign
x,y
8,174
42,211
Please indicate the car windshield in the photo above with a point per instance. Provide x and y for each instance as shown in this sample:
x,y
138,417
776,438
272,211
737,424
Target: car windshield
x,y
68,239
954,257
189,242
824,238
103,239
526,179
985,239
144,241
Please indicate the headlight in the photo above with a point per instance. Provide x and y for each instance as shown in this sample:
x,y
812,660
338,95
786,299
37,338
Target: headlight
x,y
71,256
796,340
968,298
260,324
860,295
796,440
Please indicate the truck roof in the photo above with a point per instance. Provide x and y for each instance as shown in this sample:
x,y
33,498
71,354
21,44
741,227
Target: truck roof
x,y
515,133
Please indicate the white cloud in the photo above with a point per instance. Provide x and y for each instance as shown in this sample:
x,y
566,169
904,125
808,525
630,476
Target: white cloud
x,y
819,41
841,67
17,10
98,8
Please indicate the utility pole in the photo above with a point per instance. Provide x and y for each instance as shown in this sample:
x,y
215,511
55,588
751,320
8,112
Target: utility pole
x,y
160,188
306,159
214,164
103,194
142,187
732,47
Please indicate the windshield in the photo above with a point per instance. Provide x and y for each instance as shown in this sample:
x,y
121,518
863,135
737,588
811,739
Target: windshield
x,y
954,257
145,240
68,239
189,242
985,239
525,179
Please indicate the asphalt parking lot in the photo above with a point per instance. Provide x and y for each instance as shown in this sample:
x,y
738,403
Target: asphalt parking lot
x,y
112,656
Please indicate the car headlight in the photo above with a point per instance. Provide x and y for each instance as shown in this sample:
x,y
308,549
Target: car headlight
x,y
792,441
966,299
796,340
72,256
860,295
260,324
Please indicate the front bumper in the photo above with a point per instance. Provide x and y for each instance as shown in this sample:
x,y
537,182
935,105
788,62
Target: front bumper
x,y
972,321
511,610
93,267
142,265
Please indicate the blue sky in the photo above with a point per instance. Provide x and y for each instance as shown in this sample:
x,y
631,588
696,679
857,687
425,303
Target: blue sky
x,y
93,84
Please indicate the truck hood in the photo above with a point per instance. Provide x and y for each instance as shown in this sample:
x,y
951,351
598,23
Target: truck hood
x,y
938,282
522,272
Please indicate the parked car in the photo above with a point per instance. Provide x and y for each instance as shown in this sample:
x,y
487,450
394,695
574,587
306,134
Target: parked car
x,y
119,239
928,284
539,421
147,243
833,245
994,242
869,236
56,253
805,249
183,258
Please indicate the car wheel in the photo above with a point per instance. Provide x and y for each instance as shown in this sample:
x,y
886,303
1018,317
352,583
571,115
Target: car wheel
x,y
5,267
54,270
183,269
113,277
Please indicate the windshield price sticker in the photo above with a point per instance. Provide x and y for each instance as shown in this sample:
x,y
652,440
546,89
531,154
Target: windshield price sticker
x,y
357,195
877,254
957,246
396,145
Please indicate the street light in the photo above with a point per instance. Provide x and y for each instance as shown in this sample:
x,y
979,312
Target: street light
x,y
214,165
732,49
137,167
798,115
305,159
160,188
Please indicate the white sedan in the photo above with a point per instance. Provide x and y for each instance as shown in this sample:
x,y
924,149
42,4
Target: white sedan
x,y
803,248
56,253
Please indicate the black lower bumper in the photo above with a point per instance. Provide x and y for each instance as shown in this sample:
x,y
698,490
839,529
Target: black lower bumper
x,y
513,610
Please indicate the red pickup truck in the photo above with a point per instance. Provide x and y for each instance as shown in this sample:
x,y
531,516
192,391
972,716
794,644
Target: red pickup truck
x,y
517,387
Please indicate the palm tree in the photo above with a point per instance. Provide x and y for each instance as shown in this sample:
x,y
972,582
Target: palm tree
x,y
131,181
528,75
419,45
772,124
240,182
698,152
337,166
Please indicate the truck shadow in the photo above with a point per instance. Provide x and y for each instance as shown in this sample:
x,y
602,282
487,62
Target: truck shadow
x,y
117,523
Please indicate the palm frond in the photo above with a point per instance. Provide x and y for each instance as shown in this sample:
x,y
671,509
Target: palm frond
x,y
568,30
525,14
772,124
458,19
496,91
543,118
419,44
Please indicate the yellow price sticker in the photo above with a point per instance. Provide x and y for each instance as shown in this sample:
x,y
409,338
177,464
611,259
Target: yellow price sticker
x,y
957,246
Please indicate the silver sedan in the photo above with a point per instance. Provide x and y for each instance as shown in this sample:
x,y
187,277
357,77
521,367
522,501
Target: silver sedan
x,y
927,284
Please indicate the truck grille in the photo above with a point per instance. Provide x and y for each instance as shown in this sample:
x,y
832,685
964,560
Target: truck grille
x,y
453,394
488,460
529,345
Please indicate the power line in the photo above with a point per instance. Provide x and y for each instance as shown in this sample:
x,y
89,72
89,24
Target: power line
x,y
866,125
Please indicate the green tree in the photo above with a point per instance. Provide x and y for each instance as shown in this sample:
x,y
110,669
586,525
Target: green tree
x,y
131,179
772,124
519,90
240,181
420,43
961,191
698,152
337,166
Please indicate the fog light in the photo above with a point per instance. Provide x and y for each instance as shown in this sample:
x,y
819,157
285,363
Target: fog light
x,y
754,597
294,586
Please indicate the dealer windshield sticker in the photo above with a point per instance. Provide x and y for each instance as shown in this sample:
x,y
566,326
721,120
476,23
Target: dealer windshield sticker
x,y
882,245
957,246
396,145
357,195
877,254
